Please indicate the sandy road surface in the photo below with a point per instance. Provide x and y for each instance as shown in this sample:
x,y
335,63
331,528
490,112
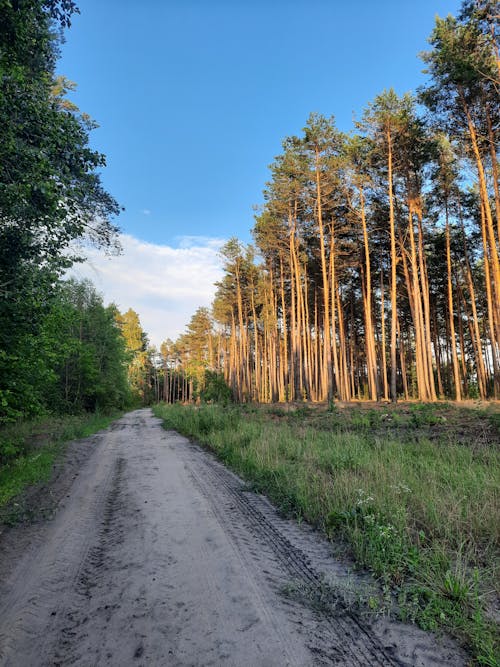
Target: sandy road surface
x,y
158,555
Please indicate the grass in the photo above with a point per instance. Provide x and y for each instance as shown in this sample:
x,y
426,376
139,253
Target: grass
x,y
412,490
28,449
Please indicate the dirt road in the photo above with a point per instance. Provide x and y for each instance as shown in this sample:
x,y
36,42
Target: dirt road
x,y
157,555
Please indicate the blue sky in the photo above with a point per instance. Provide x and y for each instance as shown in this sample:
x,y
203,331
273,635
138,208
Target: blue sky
x,y
193,97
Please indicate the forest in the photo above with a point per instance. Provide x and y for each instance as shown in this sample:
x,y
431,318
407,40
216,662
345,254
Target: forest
x,y
62,351
373,278
374,272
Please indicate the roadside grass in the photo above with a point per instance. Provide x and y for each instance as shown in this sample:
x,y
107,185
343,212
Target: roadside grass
x,y
410,489
28,449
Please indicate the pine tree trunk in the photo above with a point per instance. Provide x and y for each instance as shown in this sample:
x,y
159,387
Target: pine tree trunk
x,y
392,227
418,320
336,380
371,364
326,357
424,282
483,191
494,166
383,343
492,319
456,371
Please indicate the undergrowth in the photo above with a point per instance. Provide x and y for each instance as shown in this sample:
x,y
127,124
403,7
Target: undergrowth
x,y
28,449
416,507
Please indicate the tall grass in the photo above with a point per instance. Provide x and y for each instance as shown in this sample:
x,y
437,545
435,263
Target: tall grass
x,y
422,515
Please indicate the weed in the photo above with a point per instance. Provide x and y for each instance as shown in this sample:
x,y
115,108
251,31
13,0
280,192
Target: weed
x,y
276,411
424,414
34,446
421,514
494,418
320,597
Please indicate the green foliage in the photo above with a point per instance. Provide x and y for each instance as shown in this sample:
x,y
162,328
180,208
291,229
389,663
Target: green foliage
x,y
26,470
140,366
135,338
215,389
50,195
28,449
86,351
424,414
50,192
76,362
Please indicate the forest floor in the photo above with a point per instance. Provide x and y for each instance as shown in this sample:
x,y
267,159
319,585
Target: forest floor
x,y
143,549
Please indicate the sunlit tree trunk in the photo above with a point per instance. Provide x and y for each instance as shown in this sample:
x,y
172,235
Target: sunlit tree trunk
x,y
418,320
451,321
424,283
492,310
371,363
383,342
333,288
392,231
326,383
483,191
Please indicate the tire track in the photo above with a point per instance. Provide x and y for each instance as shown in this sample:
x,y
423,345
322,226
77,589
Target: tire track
x,y
349,641
92,574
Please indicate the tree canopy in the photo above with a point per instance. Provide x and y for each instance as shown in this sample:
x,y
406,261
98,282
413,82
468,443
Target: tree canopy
x,y
50,192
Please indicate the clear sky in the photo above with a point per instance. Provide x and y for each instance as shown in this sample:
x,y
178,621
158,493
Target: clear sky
x,y
193,99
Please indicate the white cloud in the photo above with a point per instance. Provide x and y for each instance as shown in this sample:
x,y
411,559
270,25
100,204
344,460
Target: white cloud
x,y
163,284
186,241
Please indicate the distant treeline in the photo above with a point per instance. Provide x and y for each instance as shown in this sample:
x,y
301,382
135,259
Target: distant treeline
x,y
375,271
